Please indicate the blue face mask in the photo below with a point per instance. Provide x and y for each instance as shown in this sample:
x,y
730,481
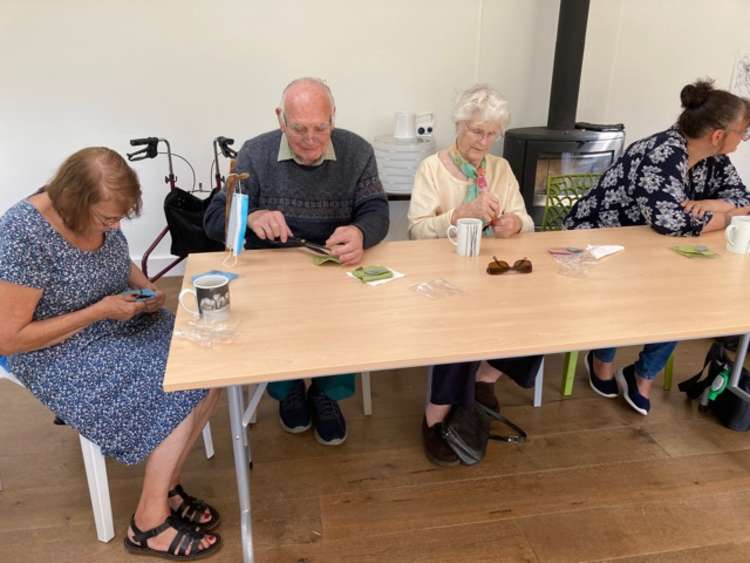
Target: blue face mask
x,y
237,225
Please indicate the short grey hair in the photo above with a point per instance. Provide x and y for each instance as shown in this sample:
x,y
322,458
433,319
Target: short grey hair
x,y
484,103
310,79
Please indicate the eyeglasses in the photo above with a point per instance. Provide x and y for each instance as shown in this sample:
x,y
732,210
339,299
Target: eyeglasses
x,y
302,131
497,267
105,220
482,134
743,133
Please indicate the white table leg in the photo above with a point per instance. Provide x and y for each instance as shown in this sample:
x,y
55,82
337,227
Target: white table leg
x,y
739,361
242,471
539,384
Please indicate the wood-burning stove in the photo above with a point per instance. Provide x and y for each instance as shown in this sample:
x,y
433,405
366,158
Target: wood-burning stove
x,y
564,146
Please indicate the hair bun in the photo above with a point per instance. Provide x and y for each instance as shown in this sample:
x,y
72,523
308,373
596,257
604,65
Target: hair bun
x,y
695,95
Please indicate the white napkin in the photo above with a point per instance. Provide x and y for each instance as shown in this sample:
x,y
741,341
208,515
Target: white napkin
x,y
599,251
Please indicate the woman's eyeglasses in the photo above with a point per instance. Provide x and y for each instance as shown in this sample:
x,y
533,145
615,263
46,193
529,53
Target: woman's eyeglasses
x,y
743,133
106,221
497,267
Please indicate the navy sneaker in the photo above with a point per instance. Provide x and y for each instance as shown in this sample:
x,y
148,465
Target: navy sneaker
x,y
294,412
604,387
626,379
330,426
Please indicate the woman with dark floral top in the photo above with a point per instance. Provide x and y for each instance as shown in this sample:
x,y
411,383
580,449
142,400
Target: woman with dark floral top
x,y
681,183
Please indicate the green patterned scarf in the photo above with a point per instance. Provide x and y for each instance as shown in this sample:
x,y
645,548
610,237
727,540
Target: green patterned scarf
x,y
477,177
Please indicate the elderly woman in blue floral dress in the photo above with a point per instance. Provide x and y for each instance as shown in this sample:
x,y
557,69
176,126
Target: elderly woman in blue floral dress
x,y
681,183
95,357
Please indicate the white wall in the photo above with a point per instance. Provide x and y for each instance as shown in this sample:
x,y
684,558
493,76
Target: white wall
x,y
640,53
78,73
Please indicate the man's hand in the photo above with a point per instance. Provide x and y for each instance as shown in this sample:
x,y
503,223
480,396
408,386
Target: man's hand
x,y
485,207
269,225
507,225
699,207
346,244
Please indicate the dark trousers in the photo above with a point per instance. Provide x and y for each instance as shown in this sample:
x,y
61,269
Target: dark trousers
x,y
453,384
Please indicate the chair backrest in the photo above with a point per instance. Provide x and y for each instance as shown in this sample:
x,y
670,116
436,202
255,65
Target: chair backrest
x,y
562,193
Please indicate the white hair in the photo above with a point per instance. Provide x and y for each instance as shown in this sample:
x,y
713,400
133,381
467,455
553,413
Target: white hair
x,y
483,103
309,79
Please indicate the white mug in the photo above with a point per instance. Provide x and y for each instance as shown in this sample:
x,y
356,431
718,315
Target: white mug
x,y
738,235
211,294
468,233
406,127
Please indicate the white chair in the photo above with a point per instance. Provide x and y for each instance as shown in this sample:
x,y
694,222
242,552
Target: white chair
x,y
96,474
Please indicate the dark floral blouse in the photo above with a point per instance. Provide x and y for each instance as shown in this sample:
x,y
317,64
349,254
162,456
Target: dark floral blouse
x,y
647,184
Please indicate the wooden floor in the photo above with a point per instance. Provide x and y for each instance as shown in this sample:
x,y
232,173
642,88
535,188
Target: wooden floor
x,y
594,482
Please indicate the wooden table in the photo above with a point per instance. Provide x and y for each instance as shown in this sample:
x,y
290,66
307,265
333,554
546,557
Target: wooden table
x,y
297,320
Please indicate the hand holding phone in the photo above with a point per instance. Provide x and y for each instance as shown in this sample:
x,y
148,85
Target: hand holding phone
x,y
141,294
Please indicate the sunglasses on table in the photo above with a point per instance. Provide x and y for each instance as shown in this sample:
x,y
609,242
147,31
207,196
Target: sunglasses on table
x,y
497,267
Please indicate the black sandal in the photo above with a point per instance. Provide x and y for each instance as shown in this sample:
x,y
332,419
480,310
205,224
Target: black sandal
x,y
188,537
191,510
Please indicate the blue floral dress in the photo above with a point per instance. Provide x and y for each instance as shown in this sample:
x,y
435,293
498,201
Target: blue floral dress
x,y
106,380
647,184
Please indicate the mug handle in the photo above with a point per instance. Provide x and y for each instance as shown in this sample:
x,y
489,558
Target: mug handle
x,y
729,234
452,230
184,305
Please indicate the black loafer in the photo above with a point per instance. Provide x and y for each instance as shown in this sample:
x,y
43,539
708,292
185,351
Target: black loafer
x,y
604,387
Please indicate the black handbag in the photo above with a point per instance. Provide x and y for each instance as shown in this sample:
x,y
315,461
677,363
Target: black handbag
x,y
184,213
731,410
467,431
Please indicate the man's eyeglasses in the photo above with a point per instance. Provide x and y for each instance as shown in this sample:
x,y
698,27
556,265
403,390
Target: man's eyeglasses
x,y
497,267
302,131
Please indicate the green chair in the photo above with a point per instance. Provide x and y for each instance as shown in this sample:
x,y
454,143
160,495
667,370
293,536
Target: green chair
x,y
562,193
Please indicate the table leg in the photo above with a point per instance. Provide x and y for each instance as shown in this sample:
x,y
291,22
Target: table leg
x,y
239,445
739,361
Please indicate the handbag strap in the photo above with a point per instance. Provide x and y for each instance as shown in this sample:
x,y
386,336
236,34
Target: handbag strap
x,y
517,438
694,386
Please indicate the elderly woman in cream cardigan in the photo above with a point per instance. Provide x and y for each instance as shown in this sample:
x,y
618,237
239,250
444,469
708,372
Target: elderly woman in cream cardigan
x,y
466,181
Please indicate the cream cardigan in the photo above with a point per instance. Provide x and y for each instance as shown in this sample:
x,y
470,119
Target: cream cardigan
x,y
437,193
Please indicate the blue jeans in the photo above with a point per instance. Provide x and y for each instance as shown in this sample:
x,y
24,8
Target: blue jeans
x,y
334,387
651,360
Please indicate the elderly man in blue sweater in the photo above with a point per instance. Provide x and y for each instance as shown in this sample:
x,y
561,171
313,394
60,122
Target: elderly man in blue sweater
x,y
313,181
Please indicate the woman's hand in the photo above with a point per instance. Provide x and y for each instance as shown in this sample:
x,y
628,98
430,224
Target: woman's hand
x,y
120,307
507,225
699,207
485,207
156,302
739,211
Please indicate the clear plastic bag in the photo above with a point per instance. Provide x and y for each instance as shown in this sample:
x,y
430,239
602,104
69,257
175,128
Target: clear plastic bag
x,y
207,334
436,289
574,265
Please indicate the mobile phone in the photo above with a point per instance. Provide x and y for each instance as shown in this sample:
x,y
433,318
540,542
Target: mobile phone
x,y
141,294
